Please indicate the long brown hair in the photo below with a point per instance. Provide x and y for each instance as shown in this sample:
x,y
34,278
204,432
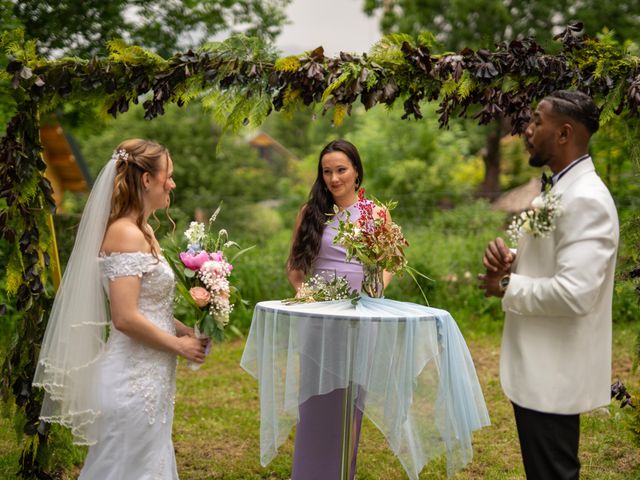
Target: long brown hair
x,y
133,158
306,243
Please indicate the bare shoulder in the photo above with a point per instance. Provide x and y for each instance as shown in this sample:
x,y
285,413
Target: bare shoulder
x,y
123,235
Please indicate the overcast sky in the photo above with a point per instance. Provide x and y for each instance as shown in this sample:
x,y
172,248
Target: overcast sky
x,y
337,25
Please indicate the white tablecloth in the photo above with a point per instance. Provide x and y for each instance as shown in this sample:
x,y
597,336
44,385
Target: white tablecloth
x,y
422,391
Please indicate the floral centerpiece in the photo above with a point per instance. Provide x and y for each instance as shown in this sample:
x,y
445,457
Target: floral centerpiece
x,y
319,289
539,221
375,241
202,277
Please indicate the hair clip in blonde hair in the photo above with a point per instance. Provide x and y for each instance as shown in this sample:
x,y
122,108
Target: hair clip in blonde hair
x,y
120,155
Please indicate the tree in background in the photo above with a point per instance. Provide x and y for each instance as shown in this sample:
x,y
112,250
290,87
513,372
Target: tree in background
x,y
71,27
205,173
484,23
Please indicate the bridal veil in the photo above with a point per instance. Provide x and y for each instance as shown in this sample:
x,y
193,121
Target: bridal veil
x,y
77,327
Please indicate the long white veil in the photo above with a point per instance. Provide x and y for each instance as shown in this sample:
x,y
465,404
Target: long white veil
x,y
76,330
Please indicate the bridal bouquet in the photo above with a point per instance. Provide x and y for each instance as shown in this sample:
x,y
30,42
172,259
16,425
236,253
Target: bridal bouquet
x,y
375,241
202,272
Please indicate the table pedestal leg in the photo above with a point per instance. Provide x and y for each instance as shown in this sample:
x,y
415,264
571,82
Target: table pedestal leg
x,y
348,410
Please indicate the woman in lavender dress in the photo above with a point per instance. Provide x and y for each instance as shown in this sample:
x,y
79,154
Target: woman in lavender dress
x,y
317,448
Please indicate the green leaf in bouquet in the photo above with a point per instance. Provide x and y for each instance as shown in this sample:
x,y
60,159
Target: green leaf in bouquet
x,y
217,335
241,252
207,325
211,328
413,273
189,273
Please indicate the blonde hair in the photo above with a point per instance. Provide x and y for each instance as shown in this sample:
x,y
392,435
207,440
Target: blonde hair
x,y
134,157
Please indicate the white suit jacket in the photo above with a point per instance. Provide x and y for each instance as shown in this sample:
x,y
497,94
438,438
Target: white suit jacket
x,y
556,346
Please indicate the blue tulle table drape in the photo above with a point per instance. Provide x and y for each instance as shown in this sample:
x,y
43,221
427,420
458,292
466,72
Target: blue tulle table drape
x,y
421,387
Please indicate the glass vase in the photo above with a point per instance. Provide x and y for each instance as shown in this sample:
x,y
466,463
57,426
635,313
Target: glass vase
x,y
372,283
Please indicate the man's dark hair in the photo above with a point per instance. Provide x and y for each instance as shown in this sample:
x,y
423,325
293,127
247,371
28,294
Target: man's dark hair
x,y
576,105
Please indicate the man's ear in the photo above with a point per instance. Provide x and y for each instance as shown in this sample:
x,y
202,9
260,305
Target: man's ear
x,y
565,133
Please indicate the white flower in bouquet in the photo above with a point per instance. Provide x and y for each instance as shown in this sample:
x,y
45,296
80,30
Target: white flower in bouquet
x,y
195,233
319,289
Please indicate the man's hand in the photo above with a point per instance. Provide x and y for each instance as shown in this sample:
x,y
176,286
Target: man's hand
x,y
490,283
498,257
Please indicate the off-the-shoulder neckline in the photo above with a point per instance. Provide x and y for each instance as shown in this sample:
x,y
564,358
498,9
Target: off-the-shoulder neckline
x,y
115,254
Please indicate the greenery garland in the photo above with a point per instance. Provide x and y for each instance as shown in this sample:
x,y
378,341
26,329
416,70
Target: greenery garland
x,y
242,80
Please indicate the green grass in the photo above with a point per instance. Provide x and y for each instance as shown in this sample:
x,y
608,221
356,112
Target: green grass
x,y
216,428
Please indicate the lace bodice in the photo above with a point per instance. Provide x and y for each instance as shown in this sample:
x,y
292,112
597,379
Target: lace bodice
x,y
150,372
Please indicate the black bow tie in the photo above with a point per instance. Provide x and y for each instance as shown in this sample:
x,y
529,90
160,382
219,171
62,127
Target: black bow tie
x,y
545,180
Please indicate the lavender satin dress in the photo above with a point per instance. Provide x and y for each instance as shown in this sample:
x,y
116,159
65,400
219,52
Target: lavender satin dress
x,y
319,429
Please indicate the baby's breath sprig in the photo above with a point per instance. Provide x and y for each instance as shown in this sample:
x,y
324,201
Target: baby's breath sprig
x,y
539,221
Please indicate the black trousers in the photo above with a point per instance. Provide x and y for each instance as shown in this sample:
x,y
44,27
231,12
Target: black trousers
x,y
549,444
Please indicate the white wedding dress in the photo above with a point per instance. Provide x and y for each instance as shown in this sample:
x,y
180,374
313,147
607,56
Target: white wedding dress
x,y
136,384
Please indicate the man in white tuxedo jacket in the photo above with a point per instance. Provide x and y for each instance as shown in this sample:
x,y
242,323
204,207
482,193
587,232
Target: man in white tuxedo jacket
x,y
556,293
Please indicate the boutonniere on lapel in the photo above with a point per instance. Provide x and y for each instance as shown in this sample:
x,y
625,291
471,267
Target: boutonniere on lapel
x,y
539,221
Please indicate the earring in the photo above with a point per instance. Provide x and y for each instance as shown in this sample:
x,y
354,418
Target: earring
x,y
146,189
357,183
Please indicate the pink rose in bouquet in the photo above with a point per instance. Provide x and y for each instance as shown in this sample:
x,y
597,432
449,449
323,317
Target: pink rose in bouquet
x,y
200,295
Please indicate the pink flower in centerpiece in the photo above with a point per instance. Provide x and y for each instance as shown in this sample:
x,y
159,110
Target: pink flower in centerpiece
x,y
200,295
194,262
216,256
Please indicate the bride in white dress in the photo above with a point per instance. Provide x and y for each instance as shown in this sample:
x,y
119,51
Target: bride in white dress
x,y
117,394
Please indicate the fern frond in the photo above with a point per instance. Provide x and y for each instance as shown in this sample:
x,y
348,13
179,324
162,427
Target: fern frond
x,y
466,85
372,79
449,86
239,115
29,188
611,102
350,71
339,112
242,47
396,39
189,90
121,52
290,96
427,39
287,64
14,273
261,108
14,44
388,51
222,103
